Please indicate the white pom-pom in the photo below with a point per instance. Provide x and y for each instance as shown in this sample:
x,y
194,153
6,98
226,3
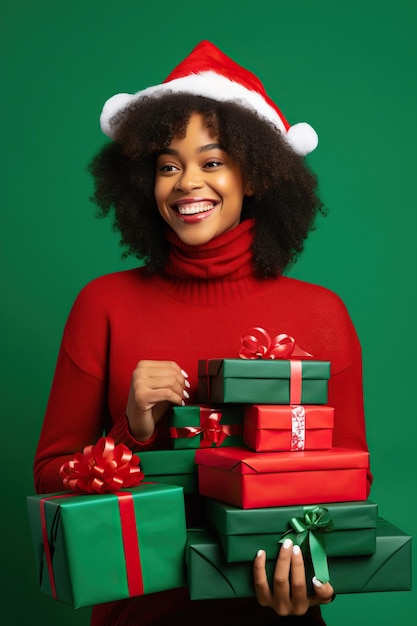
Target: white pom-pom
x,y
302,138
111,107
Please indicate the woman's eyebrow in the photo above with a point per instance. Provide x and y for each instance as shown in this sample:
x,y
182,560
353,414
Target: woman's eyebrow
x,y
209,146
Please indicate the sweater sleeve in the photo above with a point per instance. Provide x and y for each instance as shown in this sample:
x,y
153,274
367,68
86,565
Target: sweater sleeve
x,y
333,337
345,394
77,412
75,417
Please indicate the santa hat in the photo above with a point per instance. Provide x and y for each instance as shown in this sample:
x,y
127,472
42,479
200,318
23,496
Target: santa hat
x,y
208,72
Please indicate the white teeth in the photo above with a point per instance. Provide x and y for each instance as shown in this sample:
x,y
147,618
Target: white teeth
x,y
192,209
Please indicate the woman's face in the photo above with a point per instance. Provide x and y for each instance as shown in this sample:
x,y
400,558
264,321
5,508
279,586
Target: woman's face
x,y
199,190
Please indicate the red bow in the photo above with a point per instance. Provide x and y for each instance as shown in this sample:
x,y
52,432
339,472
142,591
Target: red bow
x,y
256,343
211,429
101,468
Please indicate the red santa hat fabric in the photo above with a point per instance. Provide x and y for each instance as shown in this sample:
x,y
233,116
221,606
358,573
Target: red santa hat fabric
x,y
208,72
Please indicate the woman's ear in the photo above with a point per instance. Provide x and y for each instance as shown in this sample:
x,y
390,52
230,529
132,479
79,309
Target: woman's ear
x,y
248,190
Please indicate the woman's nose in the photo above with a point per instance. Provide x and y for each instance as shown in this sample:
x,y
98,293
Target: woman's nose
x,y
189,179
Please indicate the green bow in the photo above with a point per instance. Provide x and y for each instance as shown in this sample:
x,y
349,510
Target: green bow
x,y
315,522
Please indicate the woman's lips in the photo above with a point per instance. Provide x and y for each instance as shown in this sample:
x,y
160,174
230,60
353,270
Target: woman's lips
x,y
192,211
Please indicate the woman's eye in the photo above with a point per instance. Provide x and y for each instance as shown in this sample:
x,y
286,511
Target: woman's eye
x,y
213,163
167,168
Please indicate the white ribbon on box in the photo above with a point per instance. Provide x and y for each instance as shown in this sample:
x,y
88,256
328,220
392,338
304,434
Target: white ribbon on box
x,y
298,428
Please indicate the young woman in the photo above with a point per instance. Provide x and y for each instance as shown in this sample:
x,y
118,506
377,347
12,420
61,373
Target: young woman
x,y
206,181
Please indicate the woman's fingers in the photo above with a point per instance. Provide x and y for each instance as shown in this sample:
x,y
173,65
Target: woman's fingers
x,y
299,599
281,583
155,385
279,598
157,381
262,590
324,592
289,595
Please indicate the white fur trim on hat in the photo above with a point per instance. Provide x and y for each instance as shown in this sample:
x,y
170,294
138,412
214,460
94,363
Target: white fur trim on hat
x,y
207,84
301,137
113,105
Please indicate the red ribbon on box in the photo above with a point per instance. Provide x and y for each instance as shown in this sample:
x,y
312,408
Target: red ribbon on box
x,y
210,429
100,468
257,343
46,542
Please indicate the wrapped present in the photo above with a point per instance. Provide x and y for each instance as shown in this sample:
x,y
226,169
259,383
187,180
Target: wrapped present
x,y
273,427
349,530
206,426
97,548
108,539
173,467
251,480
252,381
388,569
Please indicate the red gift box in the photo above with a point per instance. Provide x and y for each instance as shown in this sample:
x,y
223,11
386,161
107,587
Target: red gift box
x,y
273,427
247,479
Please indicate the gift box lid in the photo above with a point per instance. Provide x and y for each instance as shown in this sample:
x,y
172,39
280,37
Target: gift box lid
x,y
233,520
154,462
69,499
241,460
261,368
279,417
185,415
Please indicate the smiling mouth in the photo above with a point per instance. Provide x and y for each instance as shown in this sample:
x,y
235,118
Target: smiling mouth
x,y
194,208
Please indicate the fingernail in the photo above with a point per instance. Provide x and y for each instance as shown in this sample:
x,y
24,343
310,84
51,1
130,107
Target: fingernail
x,y
259,553
296,550
287,544
316,582
182,403
187,384
185,394
184,374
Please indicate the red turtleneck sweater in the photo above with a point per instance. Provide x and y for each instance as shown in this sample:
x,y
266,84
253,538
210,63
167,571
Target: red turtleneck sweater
x,y
195,310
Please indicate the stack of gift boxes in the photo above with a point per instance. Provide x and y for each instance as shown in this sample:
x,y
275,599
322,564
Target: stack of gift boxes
x,y
257,450
281,476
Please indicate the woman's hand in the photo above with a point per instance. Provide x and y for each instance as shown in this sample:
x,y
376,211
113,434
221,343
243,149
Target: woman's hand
x,y
155,386
289,592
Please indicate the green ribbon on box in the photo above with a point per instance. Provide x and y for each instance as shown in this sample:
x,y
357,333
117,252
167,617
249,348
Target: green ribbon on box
x,y
316,521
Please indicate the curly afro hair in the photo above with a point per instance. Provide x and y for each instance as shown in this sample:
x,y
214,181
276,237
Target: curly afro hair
x,y
284,203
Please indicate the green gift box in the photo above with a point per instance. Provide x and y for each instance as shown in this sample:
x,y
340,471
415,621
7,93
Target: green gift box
x,y
172,467
206,426
263,381
97,548
389,569
242,532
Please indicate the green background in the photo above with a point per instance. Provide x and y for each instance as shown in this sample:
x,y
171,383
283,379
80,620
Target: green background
x,y
347,68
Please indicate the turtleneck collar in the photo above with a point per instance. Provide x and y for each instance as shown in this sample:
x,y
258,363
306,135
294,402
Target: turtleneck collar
x,y
218,273
228,255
